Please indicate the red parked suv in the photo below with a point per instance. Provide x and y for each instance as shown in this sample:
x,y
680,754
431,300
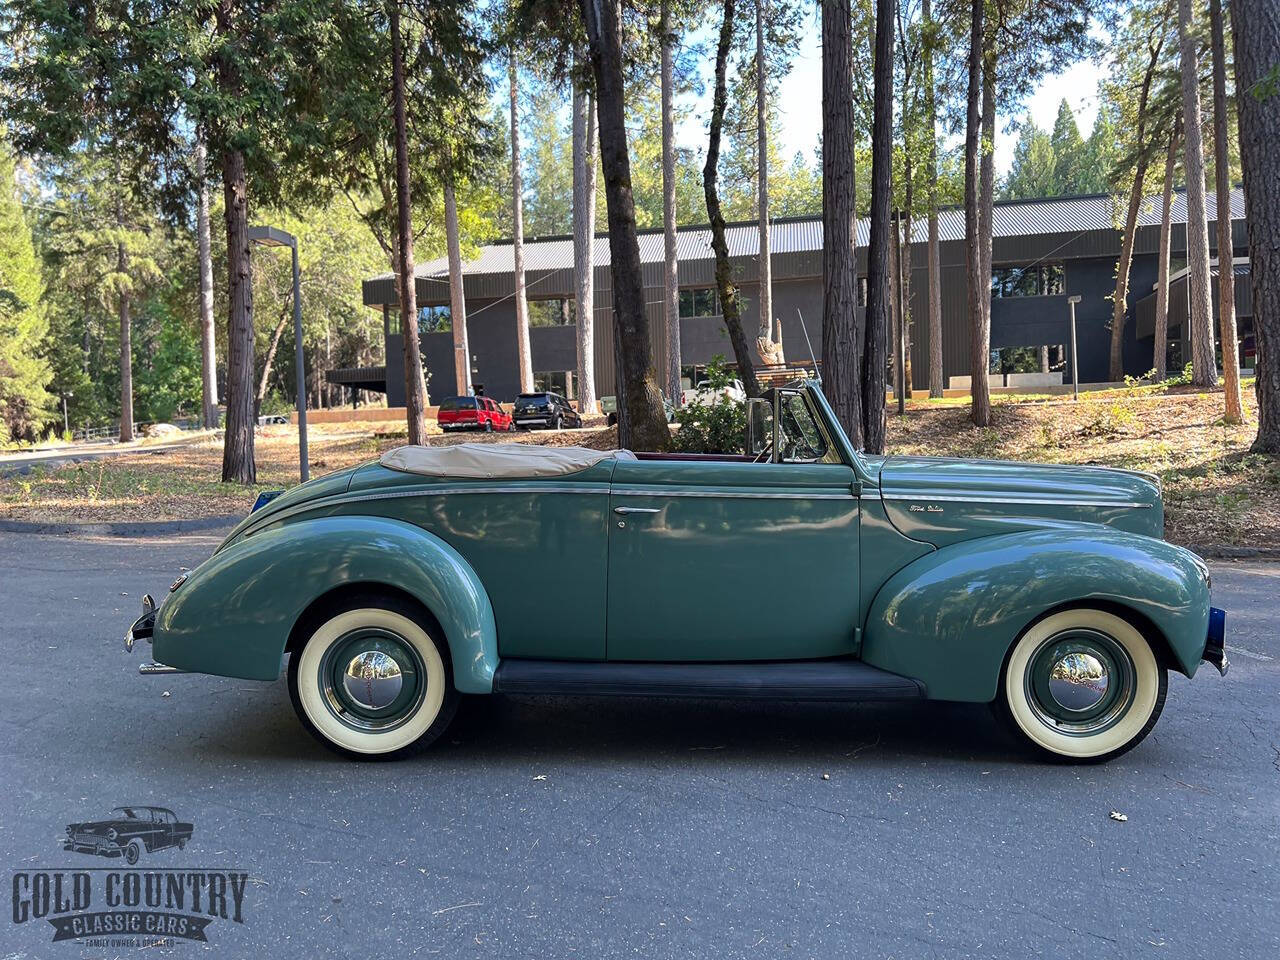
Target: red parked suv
x,y
473,413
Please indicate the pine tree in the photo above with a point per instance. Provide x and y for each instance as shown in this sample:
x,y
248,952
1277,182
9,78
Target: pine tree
x,y
1068,151
1034,172
24,369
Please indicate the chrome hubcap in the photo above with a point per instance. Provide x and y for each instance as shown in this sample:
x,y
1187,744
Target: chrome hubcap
x,y
1078,681
373,679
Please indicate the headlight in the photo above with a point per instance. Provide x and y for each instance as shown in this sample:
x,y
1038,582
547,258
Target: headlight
x,y
111,834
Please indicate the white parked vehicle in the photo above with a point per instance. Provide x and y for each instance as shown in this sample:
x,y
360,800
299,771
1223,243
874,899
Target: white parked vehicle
x,y
704,393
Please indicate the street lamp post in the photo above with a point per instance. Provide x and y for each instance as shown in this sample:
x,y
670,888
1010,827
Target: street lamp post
x,y
271,237
1075,364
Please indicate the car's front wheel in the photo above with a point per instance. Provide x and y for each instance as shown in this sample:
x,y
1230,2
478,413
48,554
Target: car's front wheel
x,y
373,680
133,852
1082,685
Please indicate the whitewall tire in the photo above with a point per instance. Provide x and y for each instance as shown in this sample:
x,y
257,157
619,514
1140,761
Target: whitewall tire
x,y
371,681
1082,685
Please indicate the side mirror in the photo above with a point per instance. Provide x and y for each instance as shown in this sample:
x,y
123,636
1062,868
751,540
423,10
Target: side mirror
x,y
760,427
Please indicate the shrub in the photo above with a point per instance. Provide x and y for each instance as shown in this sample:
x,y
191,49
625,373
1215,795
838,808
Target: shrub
x,y
712,424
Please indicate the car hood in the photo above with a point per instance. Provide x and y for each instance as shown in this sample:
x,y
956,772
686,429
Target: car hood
x,y
941,500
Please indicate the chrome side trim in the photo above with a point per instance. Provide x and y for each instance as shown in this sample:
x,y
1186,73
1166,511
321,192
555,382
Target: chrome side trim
x,y
419,492
925,496
735,494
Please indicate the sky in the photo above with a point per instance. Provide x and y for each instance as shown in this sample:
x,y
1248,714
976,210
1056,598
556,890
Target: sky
x,y
800,103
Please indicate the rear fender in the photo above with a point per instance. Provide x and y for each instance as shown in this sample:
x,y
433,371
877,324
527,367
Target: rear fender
x,y
233,614
949,618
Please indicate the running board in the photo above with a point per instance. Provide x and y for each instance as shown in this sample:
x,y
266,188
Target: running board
x,y
832,680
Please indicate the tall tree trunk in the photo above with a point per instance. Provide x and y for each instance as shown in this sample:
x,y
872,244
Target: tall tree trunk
x,y
457,294
842,331
979,286
894,257
730,309
270,359
936,377
517,236
670,266
642,421
1234,412
208,337
986,199
415,388
237,444
1255,30
1204,365
1120,299
1160,346
237,448
879,250
124,305
904,271
584,219
764,335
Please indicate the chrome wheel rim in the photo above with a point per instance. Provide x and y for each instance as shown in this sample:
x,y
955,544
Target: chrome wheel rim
x,y
1080,682
372,679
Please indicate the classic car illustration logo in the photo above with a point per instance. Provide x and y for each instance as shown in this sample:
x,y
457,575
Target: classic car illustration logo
x,y
116,906
129,832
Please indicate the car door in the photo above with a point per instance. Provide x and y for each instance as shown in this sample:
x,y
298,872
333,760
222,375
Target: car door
x,y
714,560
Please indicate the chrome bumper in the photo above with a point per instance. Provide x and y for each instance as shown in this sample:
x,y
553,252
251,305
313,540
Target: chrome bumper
x,y
143,628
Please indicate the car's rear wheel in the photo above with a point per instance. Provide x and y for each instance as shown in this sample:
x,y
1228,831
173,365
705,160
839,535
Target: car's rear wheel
x,y
1082,685
488,426
372,680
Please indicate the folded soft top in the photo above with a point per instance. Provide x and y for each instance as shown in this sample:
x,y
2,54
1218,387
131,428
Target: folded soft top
x,y
490,461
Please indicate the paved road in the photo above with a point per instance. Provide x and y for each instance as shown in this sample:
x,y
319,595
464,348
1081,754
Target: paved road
x,y
23,460
565,827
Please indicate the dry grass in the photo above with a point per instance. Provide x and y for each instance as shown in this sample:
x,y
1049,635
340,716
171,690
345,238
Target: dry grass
x,y
1216,492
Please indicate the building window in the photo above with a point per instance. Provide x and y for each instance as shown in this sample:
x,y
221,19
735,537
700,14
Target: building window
x,y
1029,280
435,319
701,302
552,313
555,381
393,321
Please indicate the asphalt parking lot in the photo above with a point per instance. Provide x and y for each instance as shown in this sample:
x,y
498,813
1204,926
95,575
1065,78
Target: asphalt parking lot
x,y
608,828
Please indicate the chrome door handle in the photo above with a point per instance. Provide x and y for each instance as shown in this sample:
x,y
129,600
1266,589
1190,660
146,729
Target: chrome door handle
x,y
625,510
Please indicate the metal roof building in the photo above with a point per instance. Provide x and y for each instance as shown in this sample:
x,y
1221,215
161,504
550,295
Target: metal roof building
x,y
1074,238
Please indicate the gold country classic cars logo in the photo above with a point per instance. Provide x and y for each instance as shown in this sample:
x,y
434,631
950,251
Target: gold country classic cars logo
x,y
128,905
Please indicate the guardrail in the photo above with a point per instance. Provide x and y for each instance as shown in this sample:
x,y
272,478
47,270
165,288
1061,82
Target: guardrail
x,y
111,433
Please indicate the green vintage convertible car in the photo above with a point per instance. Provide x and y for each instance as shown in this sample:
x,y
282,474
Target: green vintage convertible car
x,y
802,570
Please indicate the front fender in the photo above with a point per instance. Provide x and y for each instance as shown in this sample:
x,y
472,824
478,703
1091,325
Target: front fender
x,y
233,615
949,618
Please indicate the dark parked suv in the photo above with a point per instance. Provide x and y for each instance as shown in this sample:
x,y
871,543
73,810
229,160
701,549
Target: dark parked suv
x,y
545,410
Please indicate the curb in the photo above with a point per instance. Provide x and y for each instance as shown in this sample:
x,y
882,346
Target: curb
x,y
144,528
1218,551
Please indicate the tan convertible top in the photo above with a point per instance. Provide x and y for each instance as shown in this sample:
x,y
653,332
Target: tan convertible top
x,y
491,461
